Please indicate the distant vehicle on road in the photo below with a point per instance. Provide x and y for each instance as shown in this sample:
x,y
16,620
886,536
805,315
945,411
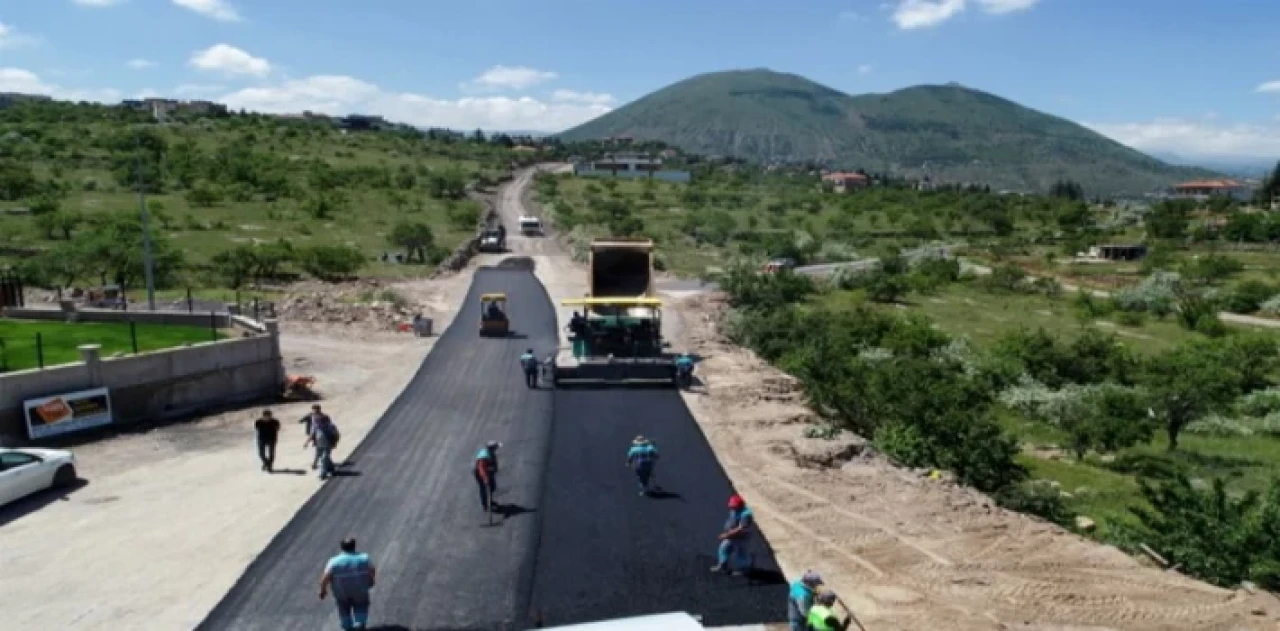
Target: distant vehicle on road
x,y
777,265
530,226
493,240
26,471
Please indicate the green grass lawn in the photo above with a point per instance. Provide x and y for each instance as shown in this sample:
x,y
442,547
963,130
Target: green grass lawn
x,y
60,341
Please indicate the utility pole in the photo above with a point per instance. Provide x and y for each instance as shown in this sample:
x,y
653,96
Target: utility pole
x,y
146,231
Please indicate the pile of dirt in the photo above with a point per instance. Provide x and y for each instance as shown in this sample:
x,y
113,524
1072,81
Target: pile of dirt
x,y
366,304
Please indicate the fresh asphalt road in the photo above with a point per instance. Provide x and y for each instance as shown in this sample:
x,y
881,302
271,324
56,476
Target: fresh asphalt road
x,y
607,552
579,544
408,496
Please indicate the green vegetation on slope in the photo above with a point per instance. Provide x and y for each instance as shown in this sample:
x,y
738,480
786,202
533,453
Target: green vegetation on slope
x,y
20,349
950,133
246,197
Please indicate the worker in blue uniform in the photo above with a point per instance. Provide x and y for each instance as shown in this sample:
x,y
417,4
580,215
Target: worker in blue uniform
x,y
732,554
529,362
684,368
485,471
642,458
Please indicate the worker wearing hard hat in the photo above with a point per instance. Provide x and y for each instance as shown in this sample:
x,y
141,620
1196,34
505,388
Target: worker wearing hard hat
x,y
734,539
486,473
800,600
822,618
642,458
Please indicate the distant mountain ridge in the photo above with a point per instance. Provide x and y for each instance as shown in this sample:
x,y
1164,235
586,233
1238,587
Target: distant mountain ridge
x,y
950,133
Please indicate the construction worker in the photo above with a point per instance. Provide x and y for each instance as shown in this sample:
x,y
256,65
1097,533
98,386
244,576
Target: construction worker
x,y
267,428
529,362
800,600
734,539
684,367
822,618
350,575
486,472
324,435
316,416
642,458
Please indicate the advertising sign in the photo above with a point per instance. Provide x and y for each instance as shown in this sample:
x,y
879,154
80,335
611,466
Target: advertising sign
x,y
67,413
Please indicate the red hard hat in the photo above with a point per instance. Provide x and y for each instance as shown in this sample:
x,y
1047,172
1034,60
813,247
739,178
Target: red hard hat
x,y
736,501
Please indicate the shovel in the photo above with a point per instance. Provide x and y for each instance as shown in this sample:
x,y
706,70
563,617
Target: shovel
x,y
850,612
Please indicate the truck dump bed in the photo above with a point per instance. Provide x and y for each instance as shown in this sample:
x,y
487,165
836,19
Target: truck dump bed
x,y
621,268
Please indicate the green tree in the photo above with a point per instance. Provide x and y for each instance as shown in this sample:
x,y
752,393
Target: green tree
x,y
1186,383
17,180
1169,219
325,204
203,195
1214,534
415,237
331,262
233,267
446,184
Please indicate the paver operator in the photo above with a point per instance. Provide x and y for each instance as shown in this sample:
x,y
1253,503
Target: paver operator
x,y
267,428
642,458
350,575
822,618
486,472
732,554
529,362
800,599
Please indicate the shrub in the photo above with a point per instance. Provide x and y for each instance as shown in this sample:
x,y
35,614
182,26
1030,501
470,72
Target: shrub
x,y
330,262
1248,296
1134,319
1037,497
1259,403
1156,293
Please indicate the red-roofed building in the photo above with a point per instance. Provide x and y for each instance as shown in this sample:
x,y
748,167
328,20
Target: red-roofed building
x,y
844,182
1204,189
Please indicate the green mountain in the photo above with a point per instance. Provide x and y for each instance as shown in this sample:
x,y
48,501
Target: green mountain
x,y
948,132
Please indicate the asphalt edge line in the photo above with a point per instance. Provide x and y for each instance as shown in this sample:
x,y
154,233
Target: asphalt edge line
x,y
524,615
378,427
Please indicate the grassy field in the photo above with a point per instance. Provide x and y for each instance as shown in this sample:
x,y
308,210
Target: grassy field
x,y
1096,490
723,215
60,341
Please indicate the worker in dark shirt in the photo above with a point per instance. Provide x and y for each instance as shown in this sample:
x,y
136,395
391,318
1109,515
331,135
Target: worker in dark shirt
x,y
268,429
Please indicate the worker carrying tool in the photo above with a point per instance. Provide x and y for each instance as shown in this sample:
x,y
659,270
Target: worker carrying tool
x,y
822,618
800,599
734,539
642,458
529,362
486,473
684,370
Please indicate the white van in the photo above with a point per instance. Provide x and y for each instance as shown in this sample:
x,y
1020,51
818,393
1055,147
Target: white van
x,y
530,226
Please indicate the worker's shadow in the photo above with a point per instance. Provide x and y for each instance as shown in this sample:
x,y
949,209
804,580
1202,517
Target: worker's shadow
x,y
507,511
663,494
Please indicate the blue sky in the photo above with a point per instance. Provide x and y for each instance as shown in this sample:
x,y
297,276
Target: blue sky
x,y
1196,77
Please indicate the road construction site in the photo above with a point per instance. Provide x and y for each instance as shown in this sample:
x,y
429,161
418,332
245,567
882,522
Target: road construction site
x,y
161,536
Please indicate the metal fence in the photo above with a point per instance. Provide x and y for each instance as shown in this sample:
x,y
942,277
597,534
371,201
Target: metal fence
x,y
56,343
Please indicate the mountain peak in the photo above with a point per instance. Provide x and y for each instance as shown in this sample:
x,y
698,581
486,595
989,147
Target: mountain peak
x,y
962,133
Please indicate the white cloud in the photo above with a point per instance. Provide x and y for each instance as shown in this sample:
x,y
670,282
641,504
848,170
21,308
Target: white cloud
x,y
914,14
11,37
509,78
1193,138
865,69
999,7
141,64
97,3
230,60
27,82
340,95
589,98
1271,87
216,9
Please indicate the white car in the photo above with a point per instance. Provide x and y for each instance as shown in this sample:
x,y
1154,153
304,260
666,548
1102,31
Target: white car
x,y
25,471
